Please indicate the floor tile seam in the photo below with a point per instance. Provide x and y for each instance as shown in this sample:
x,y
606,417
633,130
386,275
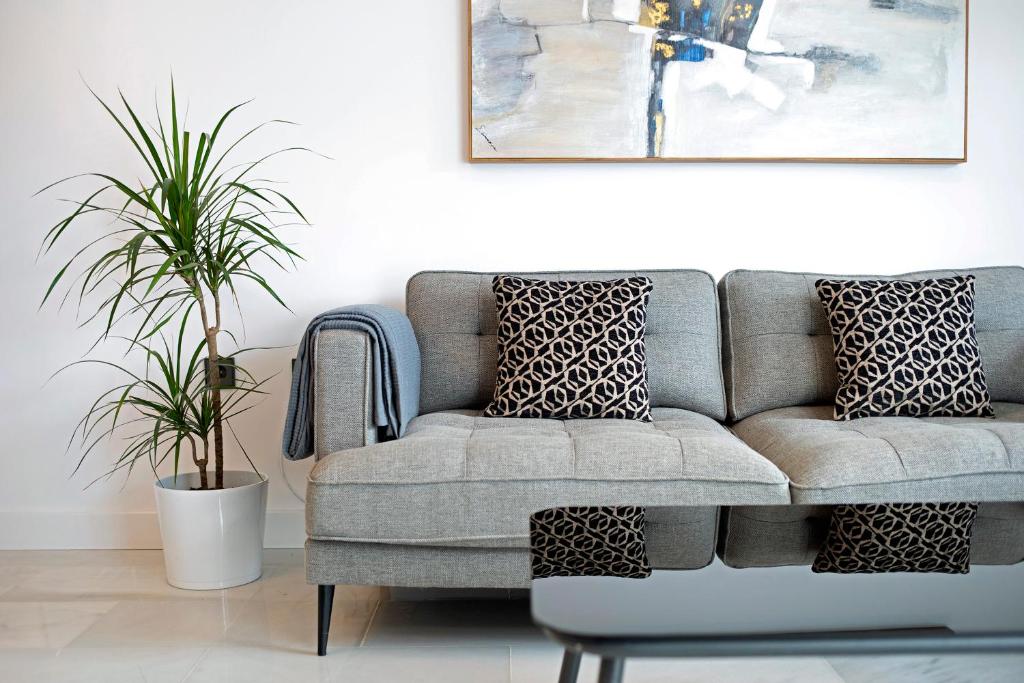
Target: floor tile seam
x,y
839,676
195,665
369,623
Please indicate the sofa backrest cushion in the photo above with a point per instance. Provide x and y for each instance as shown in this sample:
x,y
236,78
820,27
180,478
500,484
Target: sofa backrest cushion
x,y
454,316
778,346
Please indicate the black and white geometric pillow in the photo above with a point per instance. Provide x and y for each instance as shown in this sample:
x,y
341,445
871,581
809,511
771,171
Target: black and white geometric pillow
x,y
898,537
571,350
906,348
589,541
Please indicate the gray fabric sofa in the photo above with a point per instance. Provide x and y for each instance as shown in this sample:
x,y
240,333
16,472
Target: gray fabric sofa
x,y
448,504
781,381
742,437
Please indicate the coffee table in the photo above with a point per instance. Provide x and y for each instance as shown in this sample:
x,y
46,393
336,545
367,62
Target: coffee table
x,y
685,614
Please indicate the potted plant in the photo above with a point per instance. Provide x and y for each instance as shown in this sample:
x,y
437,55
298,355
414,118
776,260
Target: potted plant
x,y
175,247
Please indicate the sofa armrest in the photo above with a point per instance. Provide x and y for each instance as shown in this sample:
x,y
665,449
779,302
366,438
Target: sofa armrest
x,y
343,391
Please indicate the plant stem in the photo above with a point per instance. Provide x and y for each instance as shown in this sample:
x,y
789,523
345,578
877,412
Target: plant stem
x,y
213,377
218,428
204,483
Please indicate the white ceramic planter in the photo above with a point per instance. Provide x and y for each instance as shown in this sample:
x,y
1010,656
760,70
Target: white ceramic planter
x,y
212,539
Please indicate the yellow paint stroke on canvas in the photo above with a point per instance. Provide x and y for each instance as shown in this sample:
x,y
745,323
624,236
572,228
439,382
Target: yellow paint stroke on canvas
x,y
657,13
665,49
741,10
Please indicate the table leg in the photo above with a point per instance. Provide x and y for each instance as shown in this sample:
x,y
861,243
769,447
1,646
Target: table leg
x,y
570,667
611,670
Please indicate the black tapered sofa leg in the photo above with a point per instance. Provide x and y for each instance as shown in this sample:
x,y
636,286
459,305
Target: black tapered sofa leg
x,y
325,600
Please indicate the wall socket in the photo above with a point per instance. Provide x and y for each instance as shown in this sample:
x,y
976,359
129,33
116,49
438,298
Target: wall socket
x,y
225,372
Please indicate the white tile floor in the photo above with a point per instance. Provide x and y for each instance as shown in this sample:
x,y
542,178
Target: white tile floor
x,y
110,616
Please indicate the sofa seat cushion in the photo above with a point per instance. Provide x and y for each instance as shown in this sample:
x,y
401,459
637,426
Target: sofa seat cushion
x,y
458,478
892,459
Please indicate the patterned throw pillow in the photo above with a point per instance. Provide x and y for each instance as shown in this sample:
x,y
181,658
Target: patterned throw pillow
x,y
905,348
571,349
589,541
898,537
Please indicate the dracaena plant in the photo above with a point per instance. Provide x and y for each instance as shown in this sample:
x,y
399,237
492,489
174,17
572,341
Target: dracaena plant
x,y
165,409
178,239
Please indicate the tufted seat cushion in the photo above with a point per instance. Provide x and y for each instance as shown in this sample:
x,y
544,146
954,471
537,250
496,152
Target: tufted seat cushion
x,y
892,459
458,478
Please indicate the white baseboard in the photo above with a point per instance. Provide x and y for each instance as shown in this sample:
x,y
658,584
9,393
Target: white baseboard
x,y
72,530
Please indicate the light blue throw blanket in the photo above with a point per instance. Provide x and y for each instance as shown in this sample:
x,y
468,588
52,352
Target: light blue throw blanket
x,y
396,372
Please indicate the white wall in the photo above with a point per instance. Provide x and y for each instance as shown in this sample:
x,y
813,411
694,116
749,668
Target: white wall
x,y
380,88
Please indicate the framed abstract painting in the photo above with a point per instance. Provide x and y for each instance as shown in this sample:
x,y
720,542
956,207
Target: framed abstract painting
x,y
718,80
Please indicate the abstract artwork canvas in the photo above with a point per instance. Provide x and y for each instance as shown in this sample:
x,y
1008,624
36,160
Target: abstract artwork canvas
x,y
815,80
